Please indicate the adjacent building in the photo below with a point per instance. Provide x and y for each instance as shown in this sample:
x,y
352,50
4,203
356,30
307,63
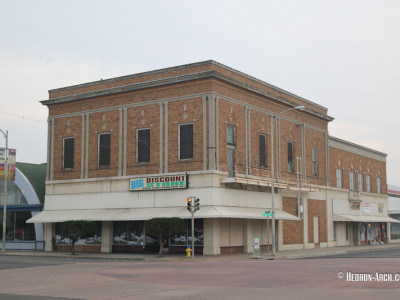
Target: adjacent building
x,y
127,149
25,198
394,211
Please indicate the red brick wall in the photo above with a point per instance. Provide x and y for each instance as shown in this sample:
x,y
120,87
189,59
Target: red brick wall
x,y
135,121
65,128
292,230
317,208
78,248
348,161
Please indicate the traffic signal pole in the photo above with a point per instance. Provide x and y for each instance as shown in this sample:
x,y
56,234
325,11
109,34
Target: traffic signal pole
x,y
193,205
192,212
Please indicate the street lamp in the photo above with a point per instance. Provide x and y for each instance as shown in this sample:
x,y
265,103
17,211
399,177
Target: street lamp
x,y
5,134
300,107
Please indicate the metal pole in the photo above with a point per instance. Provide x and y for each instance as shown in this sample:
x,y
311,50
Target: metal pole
x,y
272,185
3,249
192,232
268,236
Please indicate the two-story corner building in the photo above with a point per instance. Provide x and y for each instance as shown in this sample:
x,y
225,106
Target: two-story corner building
x,y
127,149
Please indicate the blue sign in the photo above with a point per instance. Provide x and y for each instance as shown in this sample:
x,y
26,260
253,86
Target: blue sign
x,y
137,184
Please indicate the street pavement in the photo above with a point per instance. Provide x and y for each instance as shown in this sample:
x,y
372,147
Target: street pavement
x,y
230,276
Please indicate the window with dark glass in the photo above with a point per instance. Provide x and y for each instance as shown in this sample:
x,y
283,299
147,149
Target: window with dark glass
x,y
315,161
352,181
104,149
339,178
230,134
263,150
360,182
186,141
290,157
231,162
69,153
143,145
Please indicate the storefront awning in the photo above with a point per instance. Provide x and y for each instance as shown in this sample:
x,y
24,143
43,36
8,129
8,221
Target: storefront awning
x,y
364,219
141,214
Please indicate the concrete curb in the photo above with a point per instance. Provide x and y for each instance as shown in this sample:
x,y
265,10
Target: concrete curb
x,y
291,255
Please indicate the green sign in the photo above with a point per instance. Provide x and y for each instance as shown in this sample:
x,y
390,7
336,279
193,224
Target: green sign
x,y
268,213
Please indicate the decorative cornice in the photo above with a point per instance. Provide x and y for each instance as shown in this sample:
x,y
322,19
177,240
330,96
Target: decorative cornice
x,y
180,79
356,149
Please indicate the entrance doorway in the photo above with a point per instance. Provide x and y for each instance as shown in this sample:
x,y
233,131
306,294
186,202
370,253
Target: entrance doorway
x,y
316,231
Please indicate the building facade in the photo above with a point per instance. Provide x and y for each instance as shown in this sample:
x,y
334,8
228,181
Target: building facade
x,y
394,212
127,149
25,198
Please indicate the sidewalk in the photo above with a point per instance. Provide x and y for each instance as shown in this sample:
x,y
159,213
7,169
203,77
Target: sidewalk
x,y
287,254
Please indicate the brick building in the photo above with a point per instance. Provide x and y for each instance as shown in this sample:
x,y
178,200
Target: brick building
x,y
209,126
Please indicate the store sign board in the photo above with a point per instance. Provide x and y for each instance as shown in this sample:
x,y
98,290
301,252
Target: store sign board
x,y
158,183
367,208
11,163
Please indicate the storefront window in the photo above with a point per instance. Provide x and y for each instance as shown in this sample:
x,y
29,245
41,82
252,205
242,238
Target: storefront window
x,y
131,233
14,194
395,228
362,232
16,228
370,233
186,238
93,240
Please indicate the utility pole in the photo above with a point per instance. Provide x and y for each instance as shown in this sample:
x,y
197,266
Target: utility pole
x,y
5,134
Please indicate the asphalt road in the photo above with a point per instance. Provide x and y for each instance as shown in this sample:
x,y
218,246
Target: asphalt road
x,y
328,278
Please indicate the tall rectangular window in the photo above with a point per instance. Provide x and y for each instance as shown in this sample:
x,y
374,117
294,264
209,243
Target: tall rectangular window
x,y
290,157
352,181
263,150
315,161
68,153
185,141
360,182
104,149
231,162
339,178
368,183
143,145
230,134
379,186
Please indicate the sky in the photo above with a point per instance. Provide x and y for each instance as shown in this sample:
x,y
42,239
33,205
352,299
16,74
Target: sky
x,y
342,54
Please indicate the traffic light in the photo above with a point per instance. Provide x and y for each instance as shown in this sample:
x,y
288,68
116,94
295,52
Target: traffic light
x,y
196,204
189,204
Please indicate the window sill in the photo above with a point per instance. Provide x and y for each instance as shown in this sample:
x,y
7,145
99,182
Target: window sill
x,y
185,159
104,167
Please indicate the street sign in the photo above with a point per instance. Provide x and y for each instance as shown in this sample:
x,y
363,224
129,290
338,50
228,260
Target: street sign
x,y
268,213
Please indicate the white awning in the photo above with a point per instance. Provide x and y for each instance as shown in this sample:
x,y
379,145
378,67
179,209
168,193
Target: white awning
x,y
140,214
364,219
